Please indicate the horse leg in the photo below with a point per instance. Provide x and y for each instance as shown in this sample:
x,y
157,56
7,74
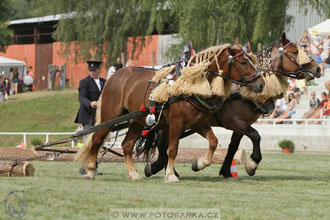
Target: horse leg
x,y
161,162
175,132
132,136
236,138
95,140
255,158
202,162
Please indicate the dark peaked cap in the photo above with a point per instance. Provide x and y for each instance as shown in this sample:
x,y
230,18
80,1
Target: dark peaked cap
x,y
93,65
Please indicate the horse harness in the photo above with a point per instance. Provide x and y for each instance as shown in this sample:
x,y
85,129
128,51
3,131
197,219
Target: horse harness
x,y
245,81
265,108
282,51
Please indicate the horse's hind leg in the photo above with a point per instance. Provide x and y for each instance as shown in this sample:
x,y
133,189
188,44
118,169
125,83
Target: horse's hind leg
x,y
255,158
132,136
202,162
236,138
161,162
96,140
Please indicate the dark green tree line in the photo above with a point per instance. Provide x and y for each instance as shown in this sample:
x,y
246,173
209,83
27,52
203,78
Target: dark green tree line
x,y
205,23
5,33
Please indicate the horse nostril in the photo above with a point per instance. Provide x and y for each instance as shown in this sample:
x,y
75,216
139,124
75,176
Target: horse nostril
x,y
261,87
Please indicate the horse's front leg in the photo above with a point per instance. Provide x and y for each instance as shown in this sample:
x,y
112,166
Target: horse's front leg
x,y
202,162
175,131
255,158
132,136
236,138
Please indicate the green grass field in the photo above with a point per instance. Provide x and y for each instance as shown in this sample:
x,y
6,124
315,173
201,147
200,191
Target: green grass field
x,y
285,187
39,111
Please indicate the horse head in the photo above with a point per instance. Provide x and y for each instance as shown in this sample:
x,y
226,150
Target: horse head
x,y
237,66
292,61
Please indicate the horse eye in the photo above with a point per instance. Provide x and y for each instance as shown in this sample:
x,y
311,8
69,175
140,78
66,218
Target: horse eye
x,y
243,63
295,52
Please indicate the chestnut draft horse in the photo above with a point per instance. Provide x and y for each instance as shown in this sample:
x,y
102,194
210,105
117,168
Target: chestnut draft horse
x,y
128,88
231,116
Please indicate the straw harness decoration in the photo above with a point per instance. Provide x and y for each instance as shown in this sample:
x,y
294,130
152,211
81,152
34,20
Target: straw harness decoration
x,y
193,80
275,85
245,81
301,69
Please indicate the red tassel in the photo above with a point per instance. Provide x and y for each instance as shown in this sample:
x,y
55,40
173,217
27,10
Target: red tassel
x,y
153,110
143,108
145,132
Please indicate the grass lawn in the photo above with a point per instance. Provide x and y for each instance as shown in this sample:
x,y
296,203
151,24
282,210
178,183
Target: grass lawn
x,y
38,111
285,187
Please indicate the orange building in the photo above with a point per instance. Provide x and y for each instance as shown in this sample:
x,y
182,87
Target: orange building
x,y
33,43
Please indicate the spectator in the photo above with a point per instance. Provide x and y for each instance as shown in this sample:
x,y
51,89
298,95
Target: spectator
x,y
322,58
314,105
291,109
301,85
129,62
315,41
62,77
318,112
111,71
304,42
28,80
279,109
326,107
30,72
53,70
14,81
2,87
118,65
327,85
326,42
294,89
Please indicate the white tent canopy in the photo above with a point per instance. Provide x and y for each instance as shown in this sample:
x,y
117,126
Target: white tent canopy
x,y
321,28
6,64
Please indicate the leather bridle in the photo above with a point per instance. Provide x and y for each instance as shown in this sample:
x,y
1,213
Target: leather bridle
x,y
282,52
245,80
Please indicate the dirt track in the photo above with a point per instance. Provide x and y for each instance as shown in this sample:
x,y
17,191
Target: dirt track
x,y
185,155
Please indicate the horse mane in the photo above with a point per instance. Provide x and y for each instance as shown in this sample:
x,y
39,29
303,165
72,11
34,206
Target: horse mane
x,y
275,84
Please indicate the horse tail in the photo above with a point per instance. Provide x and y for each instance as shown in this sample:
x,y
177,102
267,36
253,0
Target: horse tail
x,y
83,155
148,146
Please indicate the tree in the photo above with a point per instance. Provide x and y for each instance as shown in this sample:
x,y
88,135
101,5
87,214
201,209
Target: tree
x,y
205,23
5,33
96,22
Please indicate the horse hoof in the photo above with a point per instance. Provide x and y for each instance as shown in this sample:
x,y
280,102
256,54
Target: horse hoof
x,y
171,179
194,165
134,176
147,170
87,177
250,167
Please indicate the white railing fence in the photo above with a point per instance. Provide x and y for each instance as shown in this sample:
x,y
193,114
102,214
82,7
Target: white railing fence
x,y
38,133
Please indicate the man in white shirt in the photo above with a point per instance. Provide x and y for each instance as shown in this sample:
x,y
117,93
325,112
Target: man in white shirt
x,y
280,107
